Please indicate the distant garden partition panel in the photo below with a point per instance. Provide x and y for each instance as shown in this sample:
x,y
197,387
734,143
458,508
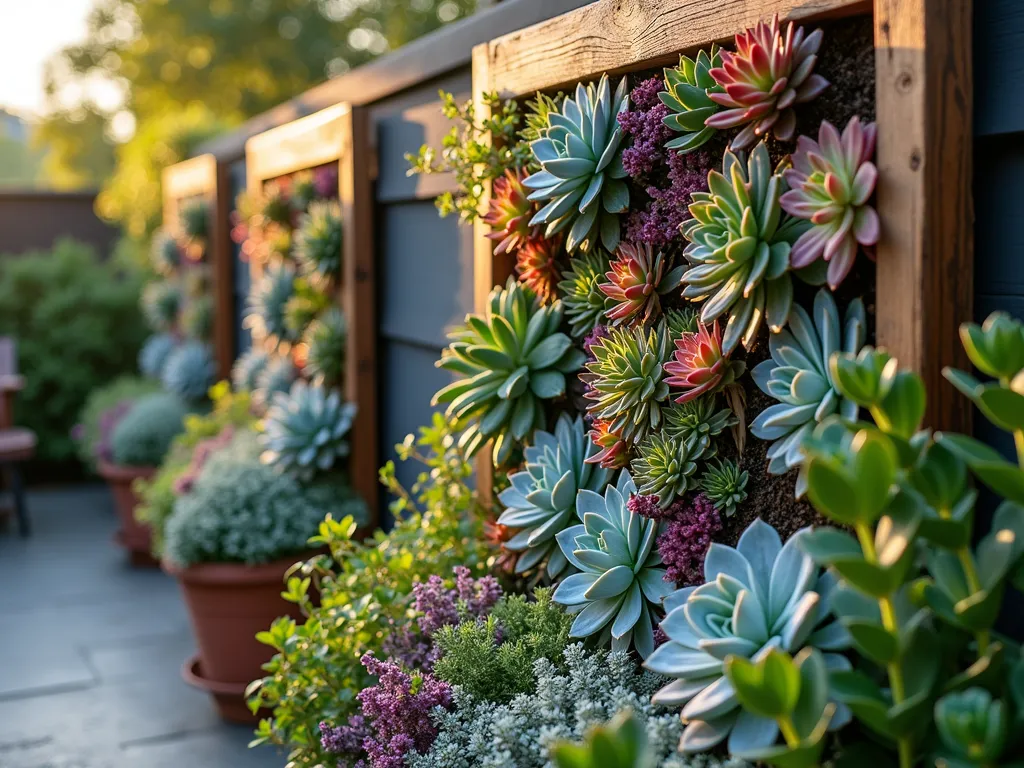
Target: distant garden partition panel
x,y
339,137
923,101
200,183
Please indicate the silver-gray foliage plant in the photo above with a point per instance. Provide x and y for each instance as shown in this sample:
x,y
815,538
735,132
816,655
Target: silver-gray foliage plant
x,y
242,511
595,687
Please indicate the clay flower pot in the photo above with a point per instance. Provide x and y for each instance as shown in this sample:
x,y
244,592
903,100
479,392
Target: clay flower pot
x,y
133,536
228,604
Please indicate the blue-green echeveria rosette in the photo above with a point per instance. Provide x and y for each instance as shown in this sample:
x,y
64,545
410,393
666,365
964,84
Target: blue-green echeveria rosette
x,y
581,181
265,313
189,370
154,353
739,244
542,498
618,591
306,430
798,375
511,359
762,594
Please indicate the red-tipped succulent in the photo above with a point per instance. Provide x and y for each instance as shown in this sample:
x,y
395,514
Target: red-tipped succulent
x,y
770,71
537,267
637,277
698,365
509,212
614,453
831,182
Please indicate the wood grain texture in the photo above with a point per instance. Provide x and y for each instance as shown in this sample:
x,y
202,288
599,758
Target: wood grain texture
x,y
924,157
619,35
305,143
359,301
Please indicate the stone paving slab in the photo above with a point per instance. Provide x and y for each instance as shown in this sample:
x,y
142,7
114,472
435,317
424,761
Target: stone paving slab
x,y
91,651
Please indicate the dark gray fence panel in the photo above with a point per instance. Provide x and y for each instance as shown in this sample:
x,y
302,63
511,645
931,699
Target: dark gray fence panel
x,y
999,199
425,278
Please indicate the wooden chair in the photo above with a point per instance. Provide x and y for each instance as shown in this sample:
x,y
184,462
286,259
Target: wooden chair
x,y
16,444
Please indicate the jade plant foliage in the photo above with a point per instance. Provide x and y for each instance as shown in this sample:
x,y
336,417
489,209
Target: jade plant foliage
x,y
920,587
364,589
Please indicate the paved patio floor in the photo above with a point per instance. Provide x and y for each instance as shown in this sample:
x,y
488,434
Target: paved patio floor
x,y
90,652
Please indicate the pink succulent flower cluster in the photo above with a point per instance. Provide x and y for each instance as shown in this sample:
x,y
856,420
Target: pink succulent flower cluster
x,y
636,278
509,212
771,70
831,183
699,366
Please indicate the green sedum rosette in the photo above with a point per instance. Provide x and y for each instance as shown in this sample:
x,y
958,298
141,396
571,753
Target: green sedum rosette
x,y
512,359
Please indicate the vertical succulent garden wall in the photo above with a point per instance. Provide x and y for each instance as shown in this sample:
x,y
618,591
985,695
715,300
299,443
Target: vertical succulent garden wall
x,y
311,304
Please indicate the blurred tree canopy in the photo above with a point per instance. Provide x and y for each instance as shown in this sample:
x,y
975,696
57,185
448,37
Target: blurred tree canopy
x,y
186,69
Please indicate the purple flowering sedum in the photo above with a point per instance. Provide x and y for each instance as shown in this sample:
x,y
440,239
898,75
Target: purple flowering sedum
x,y
830,183
398,711
441,606
657,223
684,543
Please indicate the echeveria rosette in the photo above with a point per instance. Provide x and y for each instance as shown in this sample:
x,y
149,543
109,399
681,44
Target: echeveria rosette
x,y
581,180
318,241
625,381
613,450
542,498
584,301
189,370
247,368
666,466
799,376
698,417
512,358
699,366
771,70
164,253
161,302
618,591
635,281
537,266
265,313
275,375
725,485
687,95
760,595
325,340
831,182
509,212
306,430
154,353
739,246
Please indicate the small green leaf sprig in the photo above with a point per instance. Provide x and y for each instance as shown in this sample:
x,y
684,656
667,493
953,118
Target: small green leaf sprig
x,y
477,150
917,599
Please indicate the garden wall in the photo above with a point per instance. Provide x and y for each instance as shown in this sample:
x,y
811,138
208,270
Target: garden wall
x,y
34,220
425,264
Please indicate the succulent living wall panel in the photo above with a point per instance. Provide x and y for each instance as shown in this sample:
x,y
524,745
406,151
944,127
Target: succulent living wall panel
x,y
303,227
671,381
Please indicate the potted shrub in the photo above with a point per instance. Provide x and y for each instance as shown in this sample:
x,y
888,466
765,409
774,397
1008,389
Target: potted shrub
x,y
139,442
230,541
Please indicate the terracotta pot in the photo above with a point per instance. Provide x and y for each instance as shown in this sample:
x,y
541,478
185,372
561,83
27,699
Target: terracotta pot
x,y
228,604
133,535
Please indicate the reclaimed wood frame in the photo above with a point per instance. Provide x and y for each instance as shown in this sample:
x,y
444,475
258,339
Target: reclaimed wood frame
x,y
340,134
924,152
203,176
